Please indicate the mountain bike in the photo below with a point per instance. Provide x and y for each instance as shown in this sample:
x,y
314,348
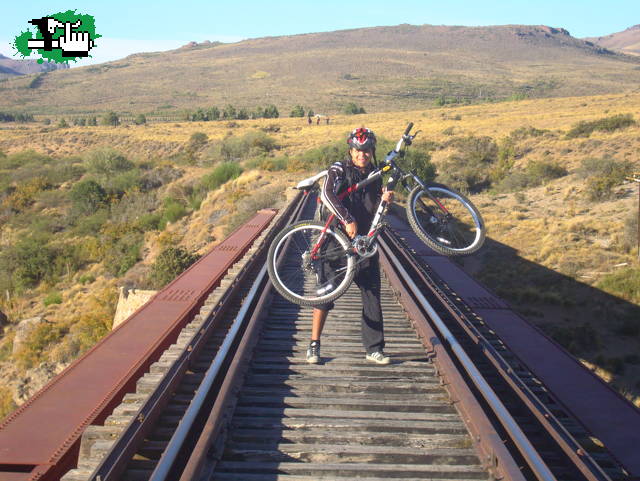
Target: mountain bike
x,y
313,263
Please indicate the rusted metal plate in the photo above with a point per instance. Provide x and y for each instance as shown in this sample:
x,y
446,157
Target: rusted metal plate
x,y
48,425
606,414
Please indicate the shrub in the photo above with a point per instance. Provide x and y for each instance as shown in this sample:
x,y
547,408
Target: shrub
x,y
110,118
108,161
7,404
221,174
86,279
62,123
28,262
624,283
87,197
320,157
122,253
271,112
170,263
537,173
197,141
24,194
173,210
630,235
140,119
297,111
42,337
607,124
52,298
24,158
353,109
604,174
91,224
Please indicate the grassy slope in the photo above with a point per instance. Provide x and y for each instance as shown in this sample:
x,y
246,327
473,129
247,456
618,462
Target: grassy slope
x,y
390,68
559,244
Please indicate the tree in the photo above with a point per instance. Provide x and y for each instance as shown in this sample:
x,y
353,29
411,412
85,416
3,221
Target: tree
x,y
213,113
353,109
271,112
298,111
140,119
110,118
229,112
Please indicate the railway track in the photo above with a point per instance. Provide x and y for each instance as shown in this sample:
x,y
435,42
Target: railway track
x,y
265,414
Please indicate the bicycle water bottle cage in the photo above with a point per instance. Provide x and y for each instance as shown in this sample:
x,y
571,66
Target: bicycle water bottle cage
x,y
307,184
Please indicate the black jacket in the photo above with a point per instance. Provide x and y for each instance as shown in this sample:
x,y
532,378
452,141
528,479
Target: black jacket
x,y
360,206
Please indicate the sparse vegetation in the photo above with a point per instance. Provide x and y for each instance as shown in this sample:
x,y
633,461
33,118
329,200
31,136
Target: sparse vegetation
x,y
170,263
607,124
603,175
353,109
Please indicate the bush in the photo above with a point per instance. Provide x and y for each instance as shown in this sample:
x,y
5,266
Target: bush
x,y
28,262
42,337
320,157
353,109
537,173
91,224
607,124
62,123
140,119
170,263
221,174
173,210
52,298
7,404
122,253
108,161
24,158
630,236
603,175
297,111
110,118
86,279
624,283
87,197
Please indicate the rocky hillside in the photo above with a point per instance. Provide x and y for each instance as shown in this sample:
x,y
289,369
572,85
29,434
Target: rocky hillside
x,y
380,68
627,41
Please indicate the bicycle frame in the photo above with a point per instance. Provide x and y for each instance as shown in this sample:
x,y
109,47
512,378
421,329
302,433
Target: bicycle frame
x,y
397,174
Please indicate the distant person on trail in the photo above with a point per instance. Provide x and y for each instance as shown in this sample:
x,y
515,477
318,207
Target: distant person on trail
x,y
318,120
355,212
309,119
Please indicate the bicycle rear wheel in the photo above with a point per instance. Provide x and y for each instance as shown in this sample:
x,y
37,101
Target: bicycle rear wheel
x,y
305,280
445,220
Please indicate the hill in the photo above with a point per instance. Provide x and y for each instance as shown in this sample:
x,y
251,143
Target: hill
x,y
380,68
10,67
627,41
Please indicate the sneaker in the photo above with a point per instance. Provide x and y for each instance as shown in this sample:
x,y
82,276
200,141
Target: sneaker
x,y
378,357
313,353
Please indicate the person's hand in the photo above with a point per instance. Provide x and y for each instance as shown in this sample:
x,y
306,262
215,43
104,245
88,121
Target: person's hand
x,y
352,229
387,195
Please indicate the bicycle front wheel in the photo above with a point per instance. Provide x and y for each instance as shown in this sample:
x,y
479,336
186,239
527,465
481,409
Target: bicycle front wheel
x,y
305,278
445,220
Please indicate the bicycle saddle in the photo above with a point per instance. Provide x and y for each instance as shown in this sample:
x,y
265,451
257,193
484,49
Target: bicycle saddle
x,y
307,184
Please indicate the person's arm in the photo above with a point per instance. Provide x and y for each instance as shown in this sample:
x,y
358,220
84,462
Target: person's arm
x,y
335,177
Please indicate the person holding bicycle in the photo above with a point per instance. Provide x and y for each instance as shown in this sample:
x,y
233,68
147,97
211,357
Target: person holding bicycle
x,y
356,213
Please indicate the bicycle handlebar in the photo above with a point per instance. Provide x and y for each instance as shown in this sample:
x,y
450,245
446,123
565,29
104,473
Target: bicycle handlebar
x,y
408,129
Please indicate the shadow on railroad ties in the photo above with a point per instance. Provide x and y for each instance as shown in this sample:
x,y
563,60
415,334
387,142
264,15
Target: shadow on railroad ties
x,y
594,326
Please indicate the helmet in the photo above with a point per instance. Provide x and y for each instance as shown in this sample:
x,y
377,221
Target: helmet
x,y
362,139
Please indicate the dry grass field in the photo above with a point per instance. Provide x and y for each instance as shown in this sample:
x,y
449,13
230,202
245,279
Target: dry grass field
x,y
563,260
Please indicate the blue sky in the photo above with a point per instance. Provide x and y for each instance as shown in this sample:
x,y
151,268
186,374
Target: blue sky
x,y
128,27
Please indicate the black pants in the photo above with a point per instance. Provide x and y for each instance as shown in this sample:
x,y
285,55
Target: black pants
x,y
367,278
